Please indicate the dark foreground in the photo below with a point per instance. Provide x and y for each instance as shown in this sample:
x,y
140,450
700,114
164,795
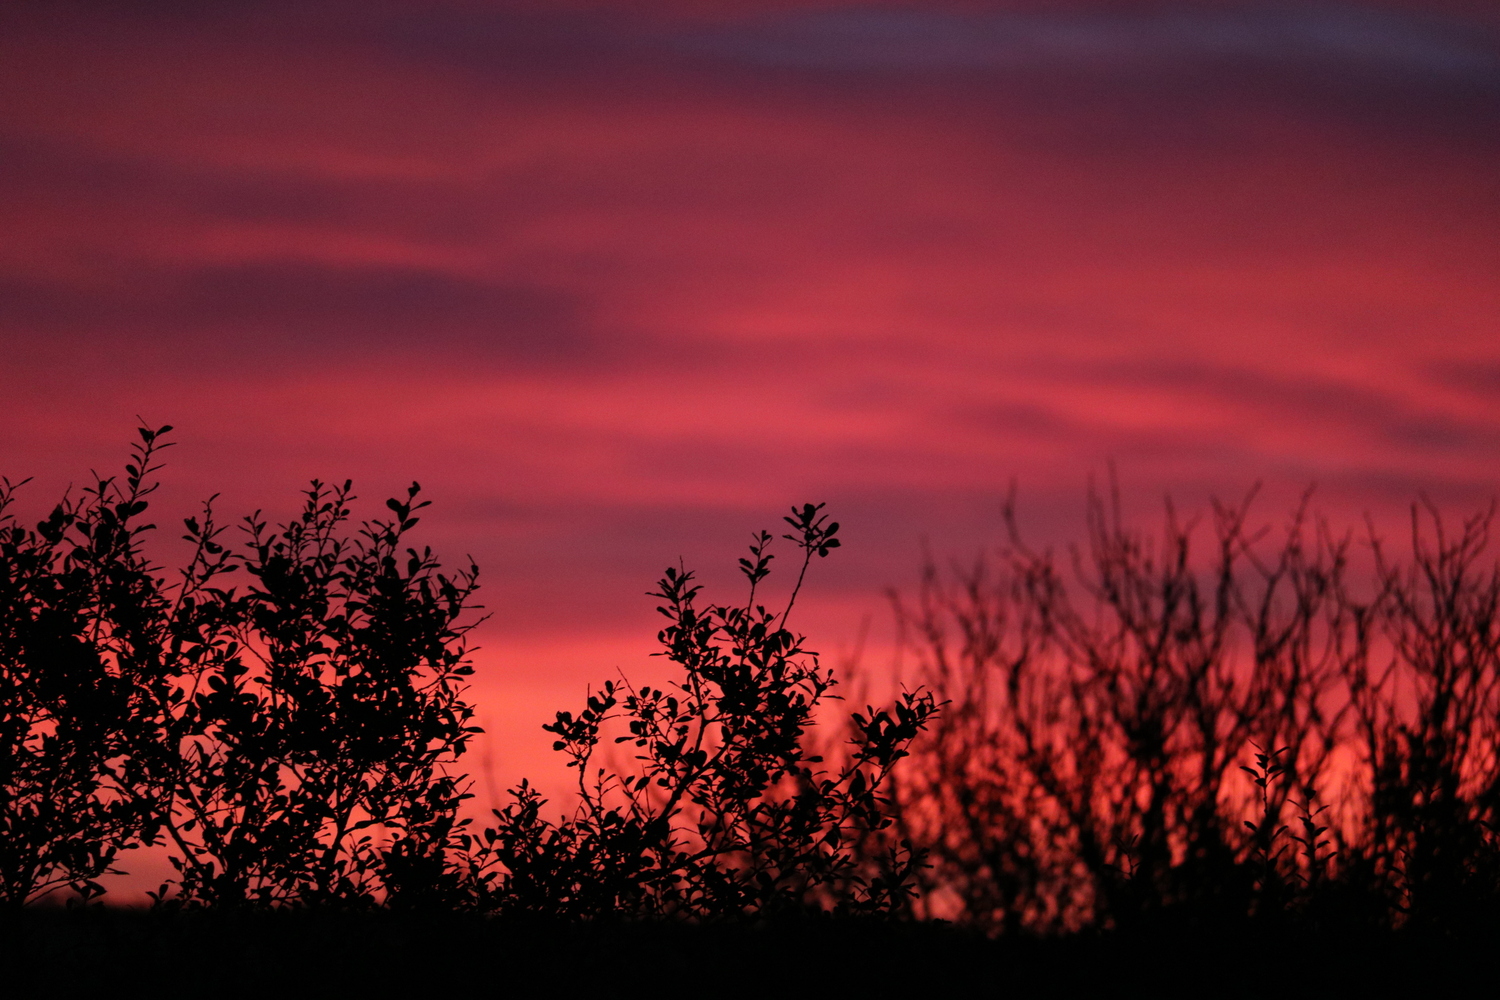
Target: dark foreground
x,y
270,955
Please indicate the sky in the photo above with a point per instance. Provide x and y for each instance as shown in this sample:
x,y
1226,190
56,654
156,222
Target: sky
x,y
618,283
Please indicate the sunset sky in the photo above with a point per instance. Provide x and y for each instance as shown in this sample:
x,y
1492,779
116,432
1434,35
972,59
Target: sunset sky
x,y
620,282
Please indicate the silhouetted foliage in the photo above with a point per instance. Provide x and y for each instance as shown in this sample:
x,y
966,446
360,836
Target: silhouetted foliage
x,y
317,712
1300,732
78,662
289,741
725,812
1304,730
292,741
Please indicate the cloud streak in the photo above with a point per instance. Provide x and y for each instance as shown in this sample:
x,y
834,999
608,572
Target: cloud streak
x,y
879,38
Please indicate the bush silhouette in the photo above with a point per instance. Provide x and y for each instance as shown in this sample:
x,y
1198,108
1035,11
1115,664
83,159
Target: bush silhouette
x,y
289,741
322,706
1304,729
1301,731
79,662
294,740
725,814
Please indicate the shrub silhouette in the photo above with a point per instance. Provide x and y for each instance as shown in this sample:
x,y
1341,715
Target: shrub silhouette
x,y
318,711
1269,731
78,663
288,741
293,741
725,813
1301,730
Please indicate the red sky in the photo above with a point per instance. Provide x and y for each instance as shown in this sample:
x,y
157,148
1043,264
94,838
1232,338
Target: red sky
x,y
620,282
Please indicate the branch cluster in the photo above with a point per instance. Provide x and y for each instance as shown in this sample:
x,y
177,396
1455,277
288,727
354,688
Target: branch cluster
x,y
1306,726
